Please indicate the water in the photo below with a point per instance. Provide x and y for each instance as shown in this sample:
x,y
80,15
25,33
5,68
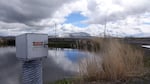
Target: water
x,y
146,46
59,64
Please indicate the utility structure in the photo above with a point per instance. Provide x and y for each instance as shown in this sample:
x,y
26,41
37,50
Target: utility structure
x,y
30,49
105,26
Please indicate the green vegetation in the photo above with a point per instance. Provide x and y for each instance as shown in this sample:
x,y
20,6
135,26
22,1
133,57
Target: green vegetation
x,y
61,44
4,42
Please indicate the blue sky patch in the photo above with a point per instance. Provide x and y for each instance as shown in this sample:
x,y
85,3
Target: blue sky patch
x,y
147,23
74,55
75,18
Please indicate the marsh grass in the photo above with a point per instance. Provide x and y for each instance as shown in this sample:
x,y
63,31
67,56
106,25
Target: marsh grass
x,y
113,60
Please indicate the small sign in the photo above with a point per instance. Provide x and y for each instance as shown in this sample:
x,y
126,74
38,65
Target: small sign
x,y
38,43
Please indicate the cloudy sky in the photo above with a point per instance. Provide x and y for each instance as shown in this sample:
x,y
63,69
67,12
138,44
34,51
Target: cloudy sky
x,y
120,17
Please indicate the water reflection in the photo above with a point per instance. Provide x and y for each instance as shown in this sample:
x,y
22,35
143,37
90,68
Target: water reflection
x,y
9,66
59,64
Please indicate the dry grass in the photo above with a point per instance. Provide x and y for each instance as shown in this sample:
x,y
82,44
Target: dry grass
x,y
113,60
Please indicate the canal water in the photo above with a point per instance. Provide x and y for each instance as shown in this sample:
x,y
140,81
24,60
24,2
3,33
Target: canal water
x,y
61,63
146,46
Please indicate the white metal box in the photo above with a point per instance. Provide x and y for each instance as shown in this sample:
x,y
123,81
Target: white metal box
x,y
31,46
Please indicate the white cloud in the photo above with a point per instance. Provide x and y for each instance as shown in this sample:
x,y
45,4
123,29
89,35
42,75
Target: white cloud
x,y
122,17
62,61
114,10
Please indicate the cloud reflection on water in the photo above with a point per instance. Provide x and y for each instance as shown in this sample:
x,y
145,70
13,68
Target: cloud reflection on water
x,y
56,66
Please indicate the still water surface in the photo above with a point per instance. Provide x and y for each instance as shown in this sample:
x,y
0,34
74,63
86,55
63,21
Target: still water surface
x,y
60,63
146,46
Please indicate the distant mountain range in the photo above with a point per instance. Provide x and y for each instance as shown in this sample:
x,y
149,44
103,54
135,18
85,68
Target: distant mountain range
x,y
76,34
84,35
8,37
70,35
141,35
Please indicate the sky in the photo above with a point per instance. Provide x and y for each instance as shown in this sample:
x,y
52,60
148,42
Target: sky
x,y
120,17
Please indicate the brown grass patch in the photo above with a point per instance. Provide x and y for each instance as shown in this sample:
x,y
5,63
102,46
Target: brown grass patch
x,y
113,60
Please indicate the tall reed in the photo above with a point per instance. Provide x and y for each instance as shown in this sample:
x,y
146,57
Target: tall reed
x,y
113,60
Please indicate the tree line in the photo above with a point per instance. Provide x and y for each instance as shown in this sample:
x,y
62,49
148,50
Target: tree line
x,y
7,42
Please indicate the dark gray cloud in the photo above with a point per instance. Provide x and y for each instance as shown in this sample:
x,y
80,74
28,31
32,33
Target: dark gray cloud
x,y
28,11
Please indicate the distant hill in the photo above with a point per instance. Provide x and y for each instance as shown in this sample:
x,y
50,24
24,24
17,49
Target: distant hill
x,y
142,35
7,37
